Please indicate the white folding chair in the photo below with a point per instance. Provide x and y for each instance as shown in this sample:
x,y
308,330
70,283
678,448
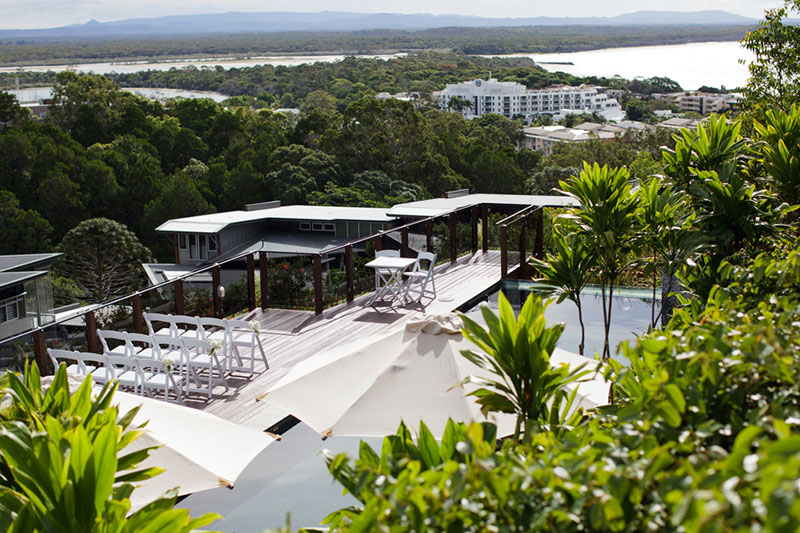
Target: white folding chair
x,y
141,345
100,373
381,273
156,376
170,351
78,368
200,357
151,318
216,329
186,326
422,276
124,370
240,335
106,335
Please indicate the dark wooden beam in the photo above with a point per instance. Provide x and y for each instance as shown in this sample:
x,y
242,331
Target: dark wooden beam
x,y
429,235
40,352
453,243
262,268
251,283
215,284
474,223
318,302
138,317
404,240
91,331
539,246
378,242
503,253
523,260
485,228
348,267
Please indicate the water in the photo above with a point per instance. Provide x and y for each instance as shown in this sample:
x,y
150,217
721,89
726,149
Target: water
x,y
692,65
123,67
630,315
42,93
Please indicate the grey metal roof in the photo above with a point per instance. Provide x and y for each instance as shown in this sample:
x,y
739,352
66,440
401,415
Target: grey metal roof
x,y
13,278
26,261
279,244
439,206
161,272
216,222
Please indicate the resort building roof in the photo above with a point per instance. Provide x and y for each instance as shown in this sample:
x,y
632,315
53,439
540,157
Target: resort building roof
x,y
26,261
216,222
438,206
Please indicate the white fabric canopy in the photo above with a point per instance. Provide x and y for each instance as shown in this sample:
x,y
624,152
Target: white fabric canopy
x,y
199,451
366,388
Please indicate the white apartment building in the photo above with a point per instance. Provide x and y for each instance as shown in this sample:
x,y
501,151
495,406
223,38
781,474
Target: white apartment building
x,y
513,99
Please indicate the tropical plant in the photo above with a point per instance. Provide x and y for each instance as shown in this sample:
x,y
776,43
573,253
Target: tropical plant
x,y
780,152
64,467
396,487
774,80
606,217
669,233
567,271
516,350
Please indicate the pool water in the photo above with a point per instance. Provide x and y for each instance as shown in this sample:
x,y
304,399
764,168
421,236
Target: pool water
x,y
630,316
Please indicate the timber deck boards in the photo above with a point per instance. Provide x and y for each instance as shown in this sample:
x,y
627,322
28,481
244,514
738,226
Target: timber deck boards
x,y
289,337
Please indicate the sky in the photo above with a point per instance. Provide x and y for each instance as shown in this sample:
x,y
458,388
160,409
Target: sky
x,y
18,14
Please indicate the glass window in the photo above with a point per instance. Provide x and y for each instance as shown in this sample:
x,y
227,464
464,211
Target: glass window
x,y
305,226
329,227
182,241
212,243
316,226
192,246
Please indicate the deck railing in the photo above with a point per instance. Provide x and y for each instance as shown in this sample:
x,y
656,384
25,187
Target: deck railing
x,y
520,221
265,281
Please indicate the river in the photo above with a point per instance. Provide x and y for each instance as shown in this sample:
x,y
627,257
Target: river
x,y
692,65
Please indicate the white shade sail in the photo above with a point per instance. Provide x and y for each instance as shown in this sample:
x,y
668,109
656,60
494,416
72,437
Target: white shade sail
x,y
366,388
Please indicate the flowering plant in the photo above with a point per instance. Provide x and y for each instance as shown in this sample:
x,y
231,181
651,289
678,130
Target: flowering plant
x,y
168,364
255,326
215,346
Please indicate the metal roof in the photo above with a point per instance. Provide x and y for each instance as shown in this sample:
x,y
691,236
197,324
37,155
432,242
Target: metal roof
x,y
161,272
278,244
439,206
216,222
14,278
23,261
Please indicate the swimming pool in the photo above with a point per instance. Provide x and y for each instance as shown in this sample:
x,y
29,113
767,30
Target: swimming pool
x,y
630,313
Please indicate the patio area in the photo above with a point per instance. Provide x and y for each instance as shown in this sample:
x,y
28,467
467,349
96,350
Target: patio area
x,y
290,337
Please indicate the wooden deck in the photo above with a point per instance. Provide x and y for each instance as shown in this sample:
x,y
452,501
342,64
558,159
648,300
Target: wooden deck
x,y
290,337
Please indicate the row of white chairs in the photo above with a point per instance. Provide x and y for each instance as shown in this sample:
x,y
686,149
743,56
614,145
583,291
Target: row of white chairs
x,y
144,375
239,340
194,359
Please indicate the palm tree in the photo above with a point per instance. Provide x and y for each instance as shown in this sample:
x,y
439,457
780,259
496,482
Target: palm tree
x,y
606,217
567,271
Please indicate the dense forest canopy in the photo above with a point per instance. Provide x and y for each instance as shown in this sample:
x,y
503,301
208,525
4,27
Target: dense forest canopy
x,y
529,39
104,152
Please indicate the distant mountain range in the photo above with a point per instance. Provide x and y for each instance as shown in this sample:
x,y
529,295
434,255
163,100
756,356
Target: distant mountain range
x,y
235,22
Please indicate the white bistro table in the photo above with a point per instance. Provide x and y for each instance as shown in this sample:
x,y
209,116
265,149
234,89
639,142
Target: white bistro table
x,y
389,276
